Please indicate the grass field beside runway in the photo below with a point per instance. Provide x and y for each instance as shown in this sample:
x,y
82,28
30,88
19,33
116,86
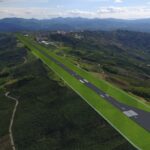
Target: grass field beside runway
x,y
117,119
113,91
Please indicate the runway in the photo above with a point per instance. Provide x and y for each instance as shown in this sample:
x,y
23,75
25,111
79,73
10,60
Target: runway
x,y
141,117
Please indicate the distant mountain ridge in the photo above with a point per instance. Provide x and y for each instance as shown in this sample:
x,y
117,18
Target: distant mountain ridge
x,y
73,24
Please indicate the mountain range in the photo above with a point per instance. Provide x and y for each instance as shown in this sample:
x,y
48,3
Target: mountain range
x,y
73,24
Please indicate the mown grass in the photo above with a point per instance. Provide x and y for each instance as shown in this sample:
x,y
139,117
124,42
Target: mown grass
x,y
105,86
123,124
112,90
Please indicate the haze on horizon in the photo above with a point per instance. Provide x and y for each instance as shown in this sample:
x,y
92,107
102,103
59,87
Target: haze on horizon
x,y
46,9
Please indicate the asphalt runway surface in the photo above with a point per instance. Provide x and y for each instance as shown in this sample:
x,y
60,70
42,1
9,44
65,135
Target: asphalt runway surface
x,y
141,117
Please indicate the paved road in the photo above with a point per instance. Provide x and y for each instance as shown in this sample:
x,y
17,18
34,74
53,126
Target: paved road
x,y
139,116
12,120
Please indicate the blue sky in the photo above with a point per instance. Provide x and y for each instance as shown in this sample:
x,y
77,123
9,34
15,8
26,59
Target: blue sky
x,y
44,9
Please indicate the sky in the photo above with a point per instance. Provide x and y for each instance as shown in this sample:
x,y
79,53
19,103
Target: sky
x,y
46,9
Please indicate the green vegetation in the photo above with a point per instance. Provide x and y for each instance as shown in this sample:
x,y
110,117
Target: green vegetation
x,y
10,57
49,115
110,89
94,100
6,107
119,56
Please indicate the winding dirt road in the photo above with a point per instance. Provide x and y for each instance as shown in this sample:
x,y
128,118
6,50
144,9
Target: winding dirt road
x,y
12,119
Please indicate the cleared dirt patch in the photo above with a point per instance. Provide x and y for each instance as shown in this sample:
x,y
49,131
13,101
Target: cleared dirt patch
x,y
5,143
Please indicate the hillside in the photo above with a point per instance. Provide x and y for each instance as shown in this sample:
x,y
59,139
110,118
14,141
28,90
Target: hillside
x,y
121,57
50,115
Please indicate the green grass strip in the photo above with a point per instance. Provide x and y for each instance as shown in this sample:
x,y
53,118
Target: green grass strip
x,y
112,90
135,134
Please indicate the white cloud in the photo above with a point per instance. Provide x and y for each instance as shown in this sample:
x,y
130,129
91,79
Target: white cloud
x,y
14,1
102,12
125,12
118,1
112,10
79,13
41,13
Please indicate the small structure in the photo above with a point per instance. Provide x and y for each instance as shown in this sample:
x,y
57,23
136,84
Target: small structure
x,y
61,32
76,36
148,65
45,42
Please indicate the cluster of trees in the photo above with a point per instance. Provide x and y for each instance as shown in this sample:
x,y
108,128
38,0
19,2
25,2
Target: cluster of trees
x,y
141,91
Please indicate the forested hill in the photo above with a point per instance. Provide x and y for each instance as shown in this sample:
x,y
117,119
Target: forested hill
x,y
73,24
123,56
